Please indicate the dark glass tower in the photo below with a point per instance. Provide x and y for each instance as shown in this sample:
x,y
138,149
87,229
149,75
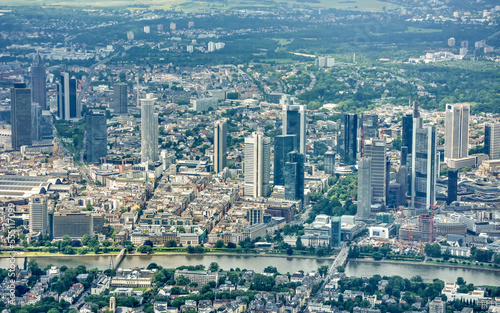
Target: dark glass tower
x,y
20,115
294,176
348,139
67,102
452,185
38,79
407,131
96,138
120,98
282,146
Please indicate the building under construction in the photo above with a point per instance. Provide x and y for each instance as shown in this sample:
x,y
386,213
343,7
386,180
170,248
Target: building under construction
x,y
422,231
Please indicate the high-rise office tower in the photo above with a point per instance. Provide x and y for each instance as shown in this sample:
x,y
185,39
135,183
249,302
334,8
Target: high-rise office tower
x,y
149,130
370,125
20,115
407,136
294,123
68,106
492,140
452,185
257,165
294,176
36,118
336,230
96,136
39,217
329,159
120,99
347,142
425,166
282,146
404,155
456,139
220,145
38,80
376,150
364,188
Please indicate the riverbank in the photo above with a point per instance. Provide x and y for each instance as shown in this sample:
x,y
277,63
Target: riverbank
x,y
461,266
176,253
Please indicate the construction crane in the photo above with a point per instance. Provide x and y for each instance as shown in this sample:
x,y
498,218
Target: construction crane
x,y
432,215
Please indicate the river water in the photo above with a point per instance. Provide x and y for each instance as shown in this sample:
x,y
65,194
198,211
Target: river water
x,y
283,264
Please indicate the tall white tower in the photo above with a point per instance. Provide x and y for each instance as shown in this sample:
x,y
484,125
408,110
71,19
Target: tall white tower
x,y
257,165
456,144
220,145
39,217
149,130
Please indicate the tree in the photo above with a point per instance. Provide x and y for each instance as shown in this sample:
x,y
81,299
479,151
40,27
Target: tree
x,y
214,267
145,249
148,243
182,280
171,244
271,269
85,239
219,244
323,270
262,283
298,244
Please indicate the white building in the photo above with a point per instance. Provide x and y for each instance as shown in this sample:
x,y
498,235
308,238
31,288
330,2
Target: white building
x,y
149,130
257,165
147,29
39,218
456,131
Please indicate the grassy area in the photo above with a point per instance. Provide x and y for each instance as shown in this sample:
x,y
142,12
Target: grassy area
x,y
189,6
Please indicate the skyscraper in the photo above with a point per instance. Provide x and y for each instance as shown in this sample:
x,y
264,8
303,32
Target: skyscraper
x,y
20,115
38,79
370,125
376,150
294,123
36,118
220,145
347,142
452,185
120,98
96,136
407,136
257,165
492,140
67,101
294,176
364,188
456,140
329,162
149,130
424,167
282,146
39,217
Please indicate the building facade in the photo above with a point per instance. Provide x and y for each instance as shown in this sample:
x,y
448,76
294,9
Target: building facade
x,y
257,165
20,106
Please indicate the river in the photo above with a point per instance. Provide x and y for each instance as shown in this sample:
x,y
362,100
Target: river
x,y
283,264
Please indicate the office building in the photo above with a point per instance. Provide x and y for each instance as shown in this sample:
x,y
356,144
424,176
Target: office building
x,y
36,119
68,106
376,150
329,159
38,82
452,185
492,140
205,104
39,216
46,127
336,226
402,180
294,123
149,130
255,215
282,146
347,141
220,146
20,115
364,188
73,224
370,126
294,176
425,164
120,98
407,136
257,165
96,136
456,140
